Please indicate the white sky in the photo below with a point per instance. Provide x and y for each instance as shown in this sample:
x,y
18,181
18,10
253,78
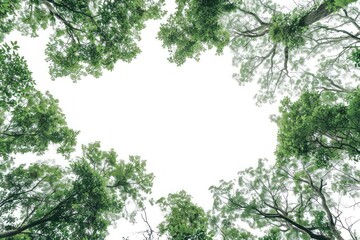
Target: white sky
x,y
193,124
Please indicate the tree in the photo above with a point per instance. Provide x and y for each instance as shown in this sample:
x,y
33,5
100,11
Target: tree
x,y
87,36
75,202
312,127
46,201
29,120
195,25
308,47
183,219
298,200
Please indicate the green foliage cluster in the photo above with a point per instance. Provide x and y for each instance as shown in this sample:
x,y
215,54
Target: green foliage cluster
x,y
15,76
183,219
294,200
274,234
77,202
88,36
7,17
355,57
29,120
34,124
312,127
287,29
320,222
337,4
195,25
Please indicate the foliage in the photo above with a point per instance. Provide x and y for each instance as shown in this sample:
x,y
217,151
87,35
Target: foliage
x,y
287,29
195,26
88,36
75,202
183,219
274,234
15,76
343,3
355,57
228,230
311,127
297,200
303,196
339,3
7,8
271,44
35,123
287,51
29,120
46,201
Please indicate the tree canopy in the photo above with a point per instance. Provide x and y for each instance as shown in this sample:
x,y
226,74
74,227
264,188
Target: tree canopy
x,y
298,200
87,36
29,120
307,48
312,190
311,50
312,46
75,202
43,200
285,50
183,219
311,126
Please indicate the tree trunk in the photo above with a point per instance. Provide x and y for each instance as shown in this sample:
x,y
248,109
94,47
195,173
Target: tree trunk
x,y
19,230
319,13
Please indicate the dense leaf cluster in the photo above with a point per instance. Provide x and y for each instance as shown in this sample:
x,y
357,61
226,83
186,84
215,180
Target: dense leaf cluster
x,y
287,29
183,219
312,127
195,26
355,57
